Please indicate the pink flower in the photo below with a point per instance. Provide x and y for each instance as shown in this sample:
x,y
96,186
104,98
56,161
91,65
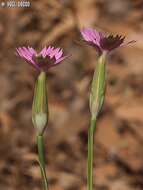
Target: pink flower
x,y
48,57
101,42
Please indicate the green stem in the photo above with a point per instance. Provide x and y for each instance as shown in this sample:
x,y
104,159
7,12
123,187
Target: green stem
x,y
41,154
91,154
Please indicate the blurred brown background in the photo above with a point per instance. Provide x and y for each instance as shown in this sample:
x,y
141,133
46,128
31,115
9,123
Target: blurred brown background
x,y
119,138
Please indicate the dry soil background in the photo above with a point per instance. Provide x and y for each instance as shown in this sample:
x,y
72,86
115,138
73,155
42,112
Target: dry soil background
x,y
119,138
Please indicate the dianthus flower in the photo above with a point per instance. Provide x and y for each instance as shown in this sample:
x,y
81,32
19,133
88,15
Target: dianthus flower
x,y
103,43
42,61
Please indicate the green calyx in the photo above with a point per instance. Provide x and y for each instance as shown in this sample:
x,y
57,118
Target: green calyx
x,y
40,104
98,87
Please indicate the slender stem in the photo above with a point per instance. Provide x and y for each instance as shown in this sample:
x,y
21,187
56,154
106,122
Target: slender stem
x,y
91,154
41,154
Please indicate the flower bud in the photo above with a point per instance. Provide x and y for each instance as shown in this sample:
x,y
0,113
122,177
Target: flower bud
x,y
40,104
98,87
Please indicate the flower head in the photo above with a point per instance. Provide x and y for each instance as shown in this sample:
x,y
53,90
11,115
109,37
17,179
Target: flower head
x,y
102,42
48,57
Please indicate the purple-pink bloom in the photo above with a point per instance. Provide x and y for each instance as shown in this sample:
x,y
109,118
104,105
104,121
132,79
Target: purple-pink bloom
x,y
48,57
102,42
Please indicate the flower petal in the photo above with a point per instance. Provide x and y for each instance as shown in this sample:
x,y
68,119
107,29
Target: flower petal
x,y
91,35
